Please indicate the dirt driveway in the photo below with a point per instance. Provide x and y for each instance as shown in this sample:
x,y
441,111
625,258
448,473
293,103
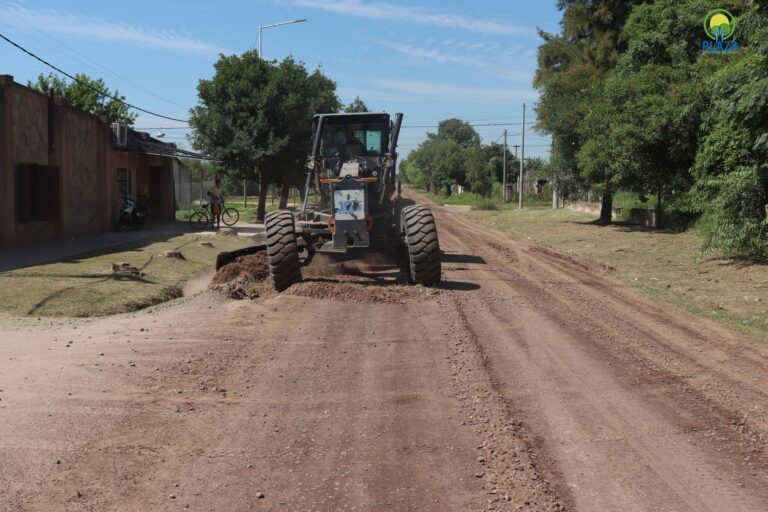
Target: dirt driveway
x,y
529,381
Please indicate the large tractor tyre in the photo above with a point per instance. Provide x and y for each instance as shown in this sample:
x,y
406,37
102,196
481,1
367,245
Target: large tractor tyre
x,y
421,244
282,249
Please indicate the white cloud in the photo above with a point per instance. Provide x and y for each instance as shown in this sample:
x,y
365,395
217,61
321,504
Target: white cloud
x,y
435,55
90,27
516,69
403,13
453,91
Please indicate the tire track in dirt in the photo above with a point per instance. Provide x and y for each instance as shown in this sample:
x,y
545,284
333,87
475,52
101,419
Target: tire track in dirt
x,y
651,413
659,339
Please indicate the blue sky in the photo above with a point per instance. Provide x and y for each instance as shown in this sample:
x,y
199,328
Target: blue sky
x,y
431,60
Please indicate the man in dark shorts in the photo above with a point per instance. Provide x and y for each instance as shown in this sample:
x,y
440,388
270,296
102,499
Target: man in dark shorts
x,y
217,198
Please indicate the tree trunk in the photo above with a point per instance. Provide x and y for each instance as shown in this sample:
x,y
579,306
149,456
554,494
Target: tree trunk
x,y
658,209
263,186
284,194
606,208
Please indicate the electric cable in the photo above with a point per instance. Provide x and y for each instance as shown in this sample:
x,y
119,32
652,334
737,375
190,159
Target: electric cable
x,y
85,84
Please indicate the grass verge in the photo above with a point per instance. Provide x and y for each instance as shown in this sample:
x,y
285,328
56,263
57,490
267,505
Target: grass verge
x,y
86,286
482,203
666,266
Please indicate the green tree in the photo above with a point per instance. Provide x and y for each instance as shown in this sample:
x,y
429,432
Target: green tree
x,y
571,66
357,105
641,134
410,173
303,94
592,34
566,98
461,132
441,164
493,156
478,175
88,94
731,167
255,117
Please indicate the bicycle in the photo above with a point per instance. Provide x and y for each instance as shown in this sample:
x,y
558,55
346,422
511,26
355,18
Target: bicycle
x,y
201,217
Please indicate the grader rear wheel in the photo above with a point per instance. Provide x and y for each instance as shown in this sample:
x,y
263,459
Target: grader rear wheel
x,y
421,245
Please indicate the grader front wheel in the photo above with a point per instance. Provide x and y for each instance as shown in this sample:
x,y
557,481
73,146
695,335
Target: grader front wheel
x,y
282,249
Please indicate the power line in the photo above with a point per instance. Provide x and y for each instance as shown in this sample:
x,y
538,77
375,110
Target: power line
x,y
94,64
89,86
479,125
472,125
163,128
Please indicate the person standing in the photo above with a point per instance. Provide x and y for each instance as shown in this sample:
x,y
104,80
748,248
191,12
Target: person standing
x,y
217,199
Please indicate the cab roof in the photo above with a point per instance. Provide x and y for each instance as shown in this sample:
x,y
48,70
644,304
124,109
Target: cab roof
x,y
354,114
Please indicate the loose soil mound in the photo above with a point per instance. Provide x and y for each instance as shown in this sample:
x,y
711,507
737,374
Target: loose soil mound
x,y
361,292
242,278
252,267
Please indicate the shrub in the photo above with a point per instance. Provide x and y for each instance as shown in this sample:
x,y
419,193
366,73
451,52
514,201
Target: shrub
x,y
485,204
734,221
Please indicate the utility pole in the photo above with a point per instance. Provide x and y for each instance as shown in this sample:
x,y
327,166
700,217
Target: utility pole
x,y
522,170
504,189
555,199
517,184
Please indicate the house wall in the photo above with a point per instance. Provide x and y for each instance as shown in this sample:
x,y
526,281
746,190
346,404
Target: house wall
x,y
25,134
84,146
154,181
7,229
36,129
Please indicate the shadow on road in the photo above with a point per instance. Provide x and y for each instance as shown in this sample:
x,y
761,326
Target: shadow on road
x,y
461,258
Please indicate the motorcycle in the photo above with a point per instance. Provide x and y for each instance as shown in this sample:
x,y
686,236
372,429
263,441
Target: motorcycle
x,y
132,215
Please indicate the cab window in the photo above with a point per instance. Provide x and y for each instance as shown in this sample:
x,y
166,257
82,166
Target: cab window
x,y
366,139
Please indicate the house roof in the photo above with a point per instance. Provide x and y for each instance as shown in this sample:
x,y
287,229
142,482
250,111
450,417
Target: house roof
x,y
142,142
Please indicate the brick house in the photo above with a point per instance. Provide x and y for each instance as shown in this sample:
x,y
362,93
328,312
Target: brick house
x,y
63,172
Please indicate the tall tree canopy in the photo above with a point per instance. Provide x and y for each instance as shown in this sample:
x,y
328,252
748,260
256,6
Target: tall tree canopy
x,y
460,132
88,94
571,66
256,117
633,103
357,105
455,156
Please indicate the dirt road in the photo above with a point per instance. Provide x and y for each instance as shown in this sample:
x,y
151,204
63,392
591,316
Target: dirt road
x,y
529,381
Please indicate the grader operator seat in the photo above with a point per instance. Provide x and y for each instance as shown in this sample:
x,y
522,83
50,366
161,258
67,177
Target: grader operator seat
x,y
352,146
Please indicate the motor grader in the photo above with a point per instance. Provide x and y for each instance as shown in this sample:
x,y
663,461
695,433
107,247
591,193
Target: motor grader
x,y
352,168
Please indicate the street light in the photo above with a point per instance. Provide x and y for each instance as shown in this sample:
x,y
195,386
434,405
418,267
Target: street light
x,y
262,27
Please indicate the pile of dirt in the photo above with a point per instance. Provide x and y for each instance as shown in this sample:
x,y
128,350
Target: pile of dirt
x,y
242,278
362,292
253,267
